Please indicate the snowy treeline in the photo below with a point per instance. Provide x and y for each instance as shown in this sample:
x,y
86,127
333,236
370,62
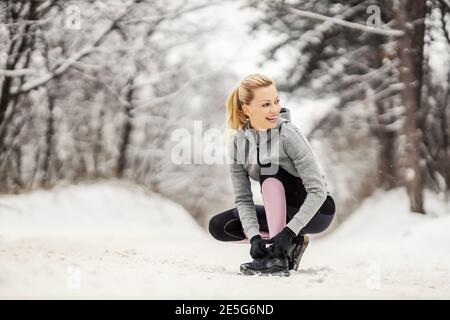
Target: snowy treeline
x,y
93,89
388,62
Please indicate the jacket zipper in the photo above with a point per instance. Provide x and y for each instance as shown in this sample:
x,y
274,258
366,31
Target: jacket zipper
x,y
257,155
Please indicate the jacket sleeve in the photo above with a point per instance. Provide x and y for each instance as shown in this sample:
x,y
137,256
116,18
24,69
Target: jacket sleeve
x,y
243,196
297,148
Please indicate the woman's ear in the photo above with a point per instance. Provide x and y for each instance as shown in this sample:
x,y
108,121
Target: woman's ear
x,y
246,110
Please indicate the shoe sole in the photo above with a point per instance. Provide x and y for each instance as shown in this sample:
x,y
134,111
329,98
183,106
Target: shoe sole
x,y
298,253
273,271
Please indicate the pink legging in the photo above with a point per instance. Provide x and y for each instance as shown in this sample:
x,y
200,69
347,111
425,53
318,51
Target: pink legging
x,y
274,200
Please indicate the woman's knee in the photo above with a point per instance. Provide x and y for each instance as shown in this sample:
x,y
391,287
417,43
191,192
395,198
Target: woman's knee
x,y
328,207
319,223
272,184
216,227
221,221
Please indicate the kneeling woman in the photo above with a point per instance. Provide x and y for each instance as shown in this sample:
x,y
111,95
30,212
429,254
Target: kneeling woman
x,y
296,201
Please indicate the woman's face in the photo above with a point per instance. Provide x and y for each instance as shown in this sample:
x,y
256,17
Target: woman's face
x,y
264,109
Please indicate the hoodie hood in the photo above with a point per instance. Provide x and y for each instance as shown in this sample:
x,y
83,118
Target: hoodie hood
x,y
286,114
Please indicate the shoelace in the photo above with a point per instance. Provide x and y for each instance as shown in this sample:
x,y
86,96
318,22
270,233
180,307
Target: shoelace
x,y
270,249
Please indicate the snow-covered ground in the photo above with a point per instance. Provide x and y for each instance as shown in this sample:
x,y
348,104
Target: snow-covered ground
x,y
113,240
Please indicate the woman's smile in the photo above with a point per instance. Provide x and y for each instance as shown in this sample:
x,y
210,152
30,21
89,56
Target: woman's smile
x,y
272,119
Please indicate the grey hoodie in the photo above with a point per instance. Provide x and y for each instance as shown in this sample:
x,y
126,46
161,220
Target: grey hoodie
x,y
252,152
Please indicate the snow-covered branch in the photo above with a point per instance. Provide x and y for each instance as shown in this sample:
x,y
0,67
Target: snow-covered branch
x,y
446,2
60,69
309,39
171,15
347,24
391,90
105,85
16,73
6,8
377,74
28,22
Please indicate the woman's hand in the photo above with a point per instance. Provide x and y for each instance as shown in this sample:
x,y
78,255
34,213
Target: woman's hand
x,y
281,242
258,247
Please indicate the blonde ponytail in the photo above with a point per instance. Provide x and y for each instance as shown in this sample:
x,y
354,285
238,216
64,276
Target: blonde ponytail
x,y
243,94
236,116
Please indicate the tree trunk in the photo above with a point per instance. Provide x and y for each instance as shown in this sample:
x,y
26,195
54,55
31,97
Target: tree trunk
x,y
49,134
387,177
128,128
410,16
386,159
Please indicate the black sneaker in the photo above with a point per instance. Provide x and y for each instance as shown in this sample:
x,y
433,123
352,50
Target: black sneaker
x,y
296,251
267,265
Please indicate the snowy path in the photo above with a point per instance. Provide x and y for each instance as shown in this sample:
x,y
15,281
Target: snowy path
x,y
134,254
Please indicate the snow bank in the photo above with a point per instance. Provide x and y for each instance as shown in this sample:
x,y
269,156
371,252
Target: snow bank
x,y
115,208
114,240
385,221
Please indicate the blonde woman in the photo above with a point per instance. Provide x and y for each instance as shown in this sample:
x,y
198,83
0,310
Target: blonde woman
x,y
296,201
